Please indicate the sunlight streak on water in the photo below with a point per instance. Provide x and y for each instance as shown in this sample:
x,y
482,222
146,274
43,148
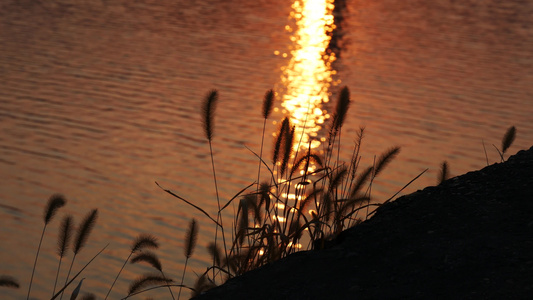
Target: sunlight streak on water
x,y
308,75
305,87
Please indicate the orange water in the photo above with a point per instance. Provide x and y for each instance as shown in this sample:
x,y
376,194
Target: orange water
x,y
99,100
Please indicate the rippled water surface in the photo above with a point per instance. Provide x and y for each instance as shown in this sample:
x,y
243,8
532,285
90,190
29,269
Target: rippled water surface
x,y
98,100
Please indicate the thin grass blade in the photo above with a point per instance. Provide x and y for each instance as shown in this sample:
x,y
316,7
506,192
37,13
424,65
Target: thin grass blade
x,y
77,274
182,199
236,195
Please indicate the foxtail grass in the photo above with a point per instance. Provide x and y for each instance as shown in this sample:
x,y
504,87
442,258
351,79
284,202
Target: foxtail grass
x,y
65,233
151,259
208,111
444,172
268,104
385,159
143,241
9,281
190,242
507,141
309,197
54,203
147,280
288,147
84,230
341,109
148,257
281,137
269,225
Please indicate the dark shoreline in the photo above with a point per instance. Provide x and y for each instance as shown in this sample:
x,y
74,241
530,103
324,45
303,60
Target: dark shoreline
x,y
469,238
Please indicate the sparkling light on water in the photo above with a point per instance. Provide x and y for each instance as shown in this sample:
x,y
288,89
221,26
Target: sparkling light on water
x,y
308,75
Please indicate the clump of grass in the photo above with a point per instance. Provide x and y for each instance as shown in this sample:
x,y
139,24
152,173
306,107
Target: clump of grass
x,y
55,202
141,243
307,199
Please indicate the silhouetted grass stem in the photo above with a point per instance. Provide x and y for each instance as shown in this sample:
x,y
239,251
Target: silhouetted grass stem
x,y
55,202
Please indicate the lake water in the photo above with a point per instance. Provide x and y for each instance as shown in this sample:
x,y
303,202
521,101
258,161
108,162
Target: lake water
x,y
100,99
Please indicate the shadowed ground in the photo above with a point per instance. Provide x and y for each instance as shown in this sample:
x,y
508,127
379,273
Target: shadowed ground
x,y
468,238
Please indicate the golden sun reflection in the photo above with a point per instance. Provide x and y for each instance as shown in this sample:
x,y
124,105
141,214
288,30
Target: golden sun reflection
x,y
305,87
307,77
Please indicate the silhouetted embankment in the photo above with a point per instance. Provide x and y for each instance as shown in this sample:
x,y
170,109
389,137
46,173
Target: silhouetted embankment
x,y
469,238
